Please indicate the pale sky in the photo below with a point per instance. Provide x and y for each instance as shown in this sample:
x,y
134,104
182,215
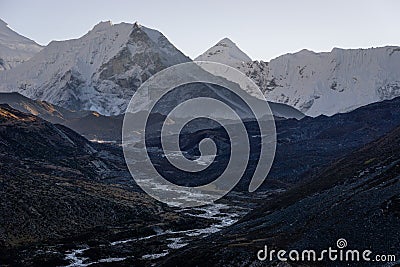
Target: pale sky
x,y
262,29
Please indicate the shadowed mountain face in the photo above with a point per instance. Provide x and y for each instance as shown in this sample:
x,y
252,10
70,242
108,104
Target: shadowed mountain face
x,y
356,198
66,201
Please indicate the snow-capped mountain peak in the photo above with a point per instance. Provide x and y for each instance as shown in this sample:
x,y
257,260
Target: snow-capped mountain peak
x,y
99,71
319,83
329,82
14,48
226,52
102,25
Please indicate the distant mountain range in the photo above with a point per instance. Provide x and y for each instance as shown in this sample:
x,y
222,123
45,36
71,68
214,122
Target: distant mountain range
x,y
101,70
319,83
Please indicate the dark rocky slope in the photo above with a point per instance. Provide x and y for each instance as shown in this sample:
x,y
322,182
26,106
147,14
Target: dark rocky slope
x,y
90,124
55,185
303,146
93,125
356,198
306,145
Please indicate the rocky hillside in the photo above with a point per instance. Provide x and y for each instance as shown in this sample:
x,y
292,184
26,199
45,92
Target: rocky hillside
x,y
356,198
55,185
90,124
306,146
60,192
93,125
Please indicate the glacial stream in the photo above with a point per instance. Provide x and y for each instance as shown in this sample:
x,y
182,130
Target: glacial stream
x,y
220,216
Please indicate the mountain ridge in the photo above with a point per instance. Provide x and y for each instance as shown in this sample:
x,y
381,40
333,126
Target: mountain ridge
x,y
325,83
14,48
99,71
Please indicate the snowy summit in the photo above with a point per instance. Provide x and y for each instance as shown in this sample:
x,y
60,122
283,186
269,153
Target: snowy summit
x,y
99,71
319,83
226,52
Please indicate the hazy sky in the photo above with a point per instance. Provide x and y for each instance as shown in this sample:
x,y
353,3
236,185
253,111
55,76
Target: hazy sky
x,y
262,29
